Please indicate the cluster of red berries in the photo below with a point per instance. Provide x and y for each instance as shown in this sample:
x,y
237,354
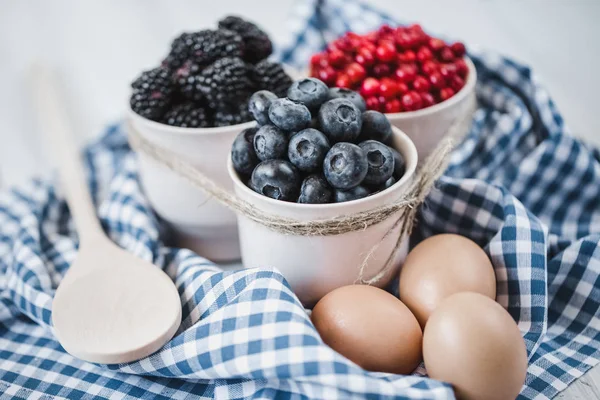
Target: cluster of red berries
x,y
394,69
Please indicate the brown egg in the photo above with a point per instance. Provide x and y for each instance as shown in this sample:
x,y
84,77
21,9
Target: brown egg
x,y
440,266
473,343
370,327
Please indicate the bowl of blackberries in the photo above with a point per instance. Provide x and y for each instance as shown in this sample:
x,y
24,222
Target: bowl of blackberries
x,y
194,104
318,153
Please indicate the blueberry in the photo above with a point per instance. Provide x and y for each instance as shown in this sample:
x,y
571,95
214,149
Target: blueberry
x,y
399,164
270,142
315,190
288,115
355,193
243,157
277,179
340,120
307,149
258,105
387,184
345,166
380,160
309,91
355,97
375,126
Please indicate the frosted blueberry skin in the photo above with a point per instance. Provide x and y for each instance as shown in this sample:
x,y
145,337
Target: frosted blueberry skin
x,y
309,91
277,179
355,193
315,190
307,149
243,156
340,120
270,142
380,162
288,115
399,164
259,104
345,166
354,97
375,126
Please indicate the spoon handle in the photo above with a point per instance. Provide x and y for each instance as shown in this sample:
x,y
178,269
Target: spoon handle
x,y
55,123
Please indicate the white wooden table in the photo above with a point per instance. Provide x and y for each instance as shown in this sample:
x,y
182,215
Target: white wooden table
x,y
100,47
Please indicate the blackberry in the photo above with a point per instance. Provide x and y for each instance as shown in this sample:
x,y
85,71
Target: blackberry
x,y
225,82
151,93
271,76
257,45
186,81
204,47
233,115
188,115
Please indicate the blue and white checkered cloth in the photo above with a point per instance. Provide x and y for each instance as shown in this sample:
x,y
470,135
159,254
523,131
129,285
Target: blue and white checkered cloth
x,y
519,185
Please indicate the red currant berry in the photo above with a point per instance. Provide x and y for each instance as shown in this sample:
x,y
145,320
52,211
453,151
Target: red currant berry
x,y
408,56
316,58
427,99
447,55
388,88
369,87
456,83
411,101
386,51
382,101
372,36
337,58
365,57
424,54
448,71
372,103
369,46
403,39
356,72
429,67
402,88
385,29
381,70
327,75
436,80
458,49
461,68
421,84
415,40
392,106
436,44
343,81
344,44
406,73
446,93
415,28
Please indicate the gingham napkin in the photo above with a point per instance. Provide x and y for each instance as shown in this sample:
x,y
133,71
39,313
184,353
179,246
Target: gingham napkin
x,y
519,185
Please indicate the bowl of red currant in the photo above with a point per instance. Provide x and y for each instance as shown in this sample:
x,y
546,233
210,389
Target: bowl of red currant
x,y
422,83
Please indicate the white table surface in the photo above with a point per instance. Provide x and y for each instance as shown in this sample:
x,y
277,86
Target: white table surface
x,y
100,46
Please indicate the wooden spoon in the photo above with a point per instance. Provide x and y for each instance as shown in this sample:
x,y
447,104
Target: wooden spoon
x,y
111,307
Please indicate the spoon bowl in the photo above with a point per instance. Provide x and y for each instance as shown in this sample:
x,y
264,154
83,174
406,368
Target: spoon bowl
x,y
113,307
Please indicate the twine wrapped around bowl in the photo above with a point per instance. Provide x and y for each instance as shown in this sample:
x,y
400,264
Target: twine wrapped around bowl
x,y
402,209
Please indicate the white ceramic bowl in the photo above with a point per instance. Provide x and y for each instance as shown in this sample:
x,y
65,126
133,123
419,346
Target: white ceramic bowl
x,y
199,222
315,265
427,127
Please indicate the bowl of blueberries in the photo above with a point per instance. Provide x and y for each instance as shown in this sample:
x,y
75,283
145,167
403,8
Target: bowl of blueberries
x,y
194,104
316,154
